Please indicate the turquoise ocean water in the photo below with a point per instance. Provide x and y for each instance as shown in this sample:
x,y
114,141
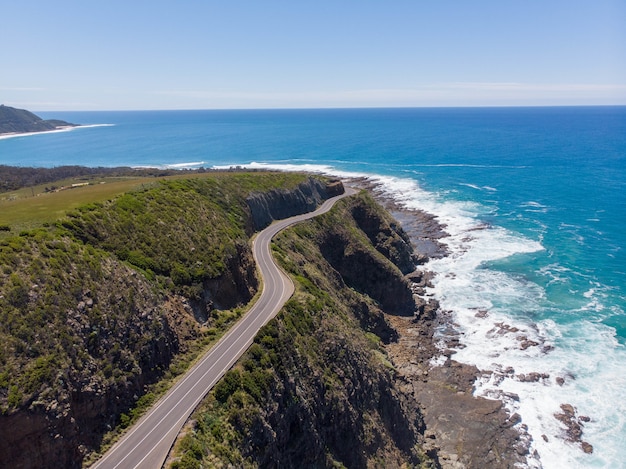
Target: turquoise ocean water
x,y
534,200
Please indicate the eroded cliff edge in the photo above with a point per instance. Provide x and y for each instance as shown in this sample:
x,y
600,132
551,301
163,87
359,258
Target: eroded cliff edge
x,y
341,377
101,306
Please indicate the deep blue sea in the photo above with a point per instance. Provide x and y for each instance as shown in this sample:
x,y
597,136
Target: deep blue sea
x,y
534,201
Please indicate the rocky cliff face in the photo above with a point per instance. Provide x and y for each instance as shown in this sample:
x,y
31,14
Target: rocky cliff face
x,y
118,335
369,273
316,389
86,332
340,405
279,203
239,284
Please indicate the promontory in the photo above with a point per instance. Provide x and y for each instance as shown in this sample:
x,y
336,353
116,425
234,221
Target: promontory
x,y
106,305
21,121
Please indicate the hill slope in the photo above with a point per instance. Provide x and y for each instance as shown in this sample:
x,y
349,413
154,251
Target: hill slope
x,y
96,308
18,121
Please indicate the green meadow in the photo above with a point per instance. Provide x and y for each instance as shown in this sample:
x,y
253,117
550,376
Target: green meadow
x,y
33,207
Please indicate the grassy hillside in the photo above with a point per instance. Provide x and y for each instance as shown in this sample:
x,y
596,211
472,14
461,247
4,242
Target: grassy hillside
x,y
38,180
33,206
180,228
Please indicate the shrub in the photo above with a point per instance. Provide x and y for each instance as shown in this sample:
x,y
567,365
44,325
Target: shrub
x,y
227,386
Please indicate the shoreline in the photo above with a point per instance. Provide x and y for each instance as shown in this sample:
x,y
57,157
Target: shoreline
x,y
28,134
464,430
68,128
528,443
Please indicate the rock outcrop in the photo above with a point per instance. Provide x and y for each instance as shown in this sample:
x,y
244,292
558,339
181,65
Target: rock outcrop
x,y
343,376
317,389
369,273
109,359
278,204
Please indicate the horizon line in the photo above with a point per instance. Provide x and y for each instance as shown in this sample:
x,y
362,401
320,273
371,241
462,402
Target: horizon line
x,y
322,108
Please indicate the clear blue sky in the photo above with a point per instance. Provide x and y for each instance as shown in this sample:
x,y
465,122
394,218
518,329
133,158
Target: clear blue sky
x,y
193,54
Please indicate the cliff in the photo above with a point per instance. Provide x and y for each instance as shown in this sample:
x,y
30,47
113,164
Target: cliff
x,y
19,121
116,297
278,204
317,388
99,311
343,376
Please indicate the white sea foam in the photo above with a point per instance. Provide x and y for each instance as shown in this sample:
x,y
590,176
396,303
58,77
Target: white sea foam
x,y
465,165
532,204
89,126
473,186
309,168
530,361
555,273
511,346
479,188
187,165
192,164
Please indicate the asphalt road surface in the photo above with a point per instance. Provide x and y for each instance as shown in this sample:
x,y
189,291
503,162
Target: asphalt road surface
x,y
148,442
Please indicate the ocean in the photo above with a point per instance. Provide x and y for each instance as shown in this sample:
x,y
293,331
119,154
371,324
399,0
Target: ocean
x,y
533,200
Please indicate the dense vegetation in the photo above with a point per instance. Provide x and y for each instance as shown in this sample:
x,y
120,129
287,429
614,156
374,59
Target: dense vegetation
x,y
59,327
315,389
69,293
182,229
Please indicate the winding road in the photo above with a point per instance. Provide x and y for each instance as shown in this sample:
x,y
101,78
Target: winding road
x,y
147,443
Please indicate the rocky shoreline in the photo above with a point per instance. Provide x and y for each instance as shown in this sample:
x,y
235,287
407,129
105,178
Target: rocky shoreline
x,y
464,431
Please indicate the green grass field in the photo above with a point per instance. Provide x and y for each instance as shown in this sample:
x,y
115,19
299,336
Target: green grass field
x,y
32,207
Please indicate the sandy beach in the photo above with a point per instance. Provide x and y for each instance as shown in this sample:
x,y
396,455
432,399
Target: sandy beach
x,y
57,130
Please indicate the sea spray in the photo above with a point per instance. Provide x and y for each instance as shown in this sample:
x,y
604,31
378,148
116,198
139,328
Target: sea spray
x,y
535,355
535,365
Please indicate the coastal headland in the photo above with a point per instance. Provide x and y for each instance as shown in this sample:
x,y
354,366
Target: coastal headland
x,y
106,307
15,121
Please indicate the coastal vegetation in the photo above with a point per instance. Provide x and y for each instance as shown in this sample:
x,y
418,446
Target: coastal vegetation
x,y
14,178
316,389
38,197
101,303
178,233
105,305
14,120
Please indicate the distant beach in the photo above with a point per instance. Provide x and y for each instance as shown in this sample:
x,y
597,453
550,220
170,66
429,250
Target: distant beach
x,y
58,130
